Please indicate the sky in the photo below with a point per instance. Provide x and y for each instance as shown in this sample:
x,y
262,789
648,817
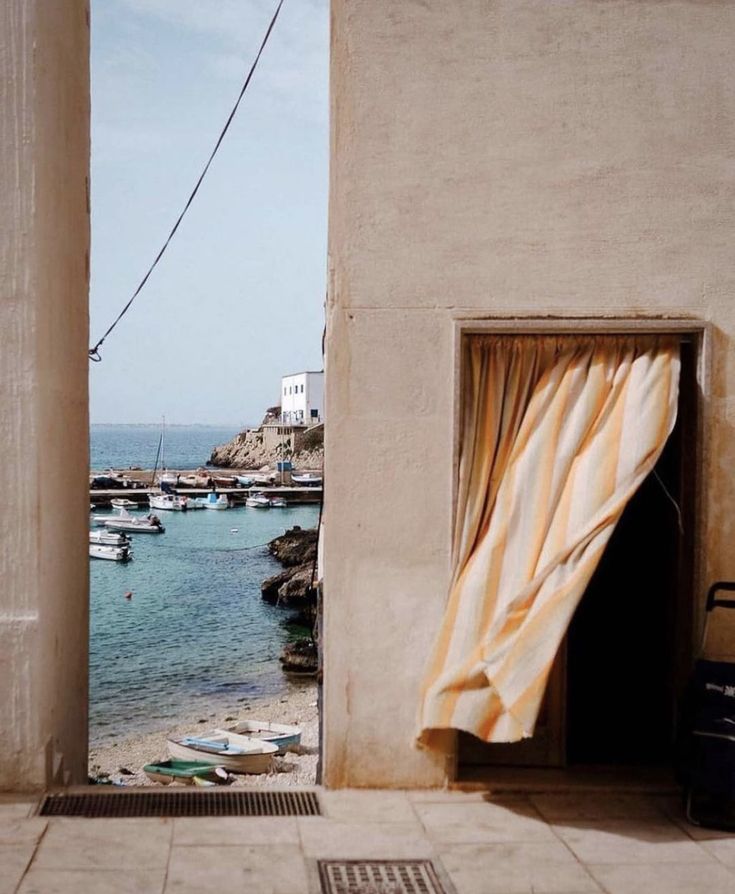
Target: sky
x,y
238,298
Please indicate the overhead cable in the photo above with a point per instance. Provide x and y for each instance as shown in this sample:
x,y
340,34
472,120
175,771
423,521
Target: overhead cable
x,y
94,353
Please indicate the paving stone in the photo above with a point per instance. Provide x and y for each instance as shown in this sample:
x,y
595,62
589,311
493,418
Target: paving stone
x,y
266,830
101,844
630,841
14,830
353,805
597,806
516,868
256,869
658,878
331,839
14,860
470,822
93,881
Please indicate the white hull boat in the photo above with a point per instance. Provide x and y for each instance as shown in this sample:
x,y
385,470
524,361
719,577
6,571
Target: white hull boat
x,y
279,503
120,503
238,754
244,480
307,480
125,522
109,538
111,553
212,501
283,735
258,501
171,502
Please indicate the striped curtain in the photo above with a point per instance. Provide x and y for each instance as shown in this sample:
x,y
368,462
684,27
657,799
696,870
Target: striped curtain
x,y
556,436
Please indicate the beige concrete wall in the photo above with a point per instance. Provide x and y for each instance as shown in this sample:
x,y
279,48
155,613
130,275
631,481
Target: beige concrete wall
x,y
496,158
44,241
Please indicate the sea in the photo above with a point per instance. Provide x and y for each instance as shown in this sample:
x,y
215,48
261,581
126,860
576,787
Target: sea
x,y
195,637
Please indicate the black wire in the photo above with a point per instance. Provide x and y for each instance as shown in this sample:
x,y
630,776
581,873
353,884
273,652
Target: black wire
x,y
94,353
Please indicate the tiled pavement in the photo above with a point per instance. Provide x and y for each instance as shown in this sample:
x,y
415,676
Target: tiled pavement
x,y
546,844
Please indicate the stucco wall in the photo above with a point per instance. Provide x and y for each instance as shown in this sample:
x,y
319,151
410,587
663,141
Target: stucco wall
x,y
496,158
44,240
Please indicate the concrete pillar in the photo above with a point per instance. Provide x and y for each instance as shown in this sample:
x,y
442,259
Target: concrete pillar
x,y
44,265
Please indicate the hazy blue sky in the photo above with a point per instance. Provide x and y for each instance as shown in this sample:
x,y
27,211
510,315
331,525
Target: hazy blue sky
x,y
238,298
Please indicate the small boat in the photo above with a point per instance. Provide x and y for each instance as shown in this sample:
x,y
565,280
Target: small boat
x,y
122,503
224,480
283,735
172,502
279,503
213,501
187,772
109,538
239,754
111,553
263,480
244,480
258,501
151,524
169,478
308,479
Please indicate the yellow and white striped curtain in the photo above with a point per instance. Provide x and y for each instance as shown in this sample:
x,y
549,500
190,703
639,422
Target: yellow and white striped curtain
x,y
557,435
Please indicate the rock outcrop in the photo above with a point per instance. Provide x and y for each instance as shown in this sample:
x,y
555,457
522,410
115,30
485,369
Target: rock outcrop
x,y
255,448
295,588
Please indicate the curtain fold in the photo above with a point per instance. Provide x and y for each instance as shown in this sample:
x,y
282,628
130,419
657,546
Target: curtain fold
x,y
557,433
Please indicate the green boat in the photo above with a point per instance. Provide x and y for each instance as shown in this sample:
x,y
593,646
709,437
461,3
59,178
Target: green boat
x,y
188,772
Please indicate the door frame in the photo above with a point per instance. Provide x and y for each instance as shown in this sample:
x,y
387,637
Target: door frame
x,y
698,332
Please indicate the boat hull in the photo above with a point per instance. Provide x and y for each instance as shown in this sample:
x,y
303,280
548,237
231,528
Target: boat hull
x,y
286,737
254,762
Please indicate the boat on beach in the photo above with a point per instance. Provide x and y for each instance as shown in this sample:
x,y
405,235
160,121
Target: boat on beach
x,y
238,754
109,538
186,772
225,480
111,553
278,503
244,480
169,502
258,501
285,736
150,524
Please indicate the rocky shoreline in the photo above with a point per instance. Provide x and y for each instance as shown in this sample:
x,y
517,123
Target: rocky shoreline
x,y
295,588
257,448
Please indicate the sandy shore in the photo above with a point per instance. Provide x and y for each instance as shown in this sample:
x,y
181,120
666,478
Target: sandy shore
x,y
123,759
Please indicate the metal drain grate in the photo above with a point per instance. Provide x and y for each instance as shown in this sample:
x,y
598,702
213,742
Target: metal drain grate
x,y
379,877
182,803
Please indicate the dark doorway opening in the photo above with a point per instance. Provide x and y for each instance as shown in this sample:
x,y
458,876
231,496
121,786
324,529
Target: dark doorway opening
x,y
613,695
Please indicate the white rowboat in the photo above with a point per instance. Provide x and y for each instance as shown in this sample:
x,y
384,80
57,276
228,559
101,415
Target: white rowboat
x,y
239,754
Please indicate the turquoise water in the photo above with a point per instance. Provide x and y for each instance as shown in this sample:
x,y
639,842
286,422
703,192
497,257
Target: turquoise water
x,y
186,446
196,636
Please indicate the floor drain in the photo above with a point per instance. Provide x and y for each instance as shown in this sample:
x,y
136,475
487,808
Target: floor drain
x,y
379,877
181,803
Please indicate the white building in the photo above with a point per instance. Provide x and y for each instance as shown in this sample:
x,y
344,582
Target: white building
x,y
302,398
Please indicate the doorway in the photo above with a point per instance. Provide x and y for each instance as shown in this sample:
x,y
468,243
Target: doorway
x,y
614,690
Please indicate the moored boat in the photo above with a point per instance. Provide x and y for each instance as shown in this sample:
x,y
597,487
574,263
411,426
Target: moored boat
x,y
111,553
278,503
150,524
109,538
239,754
169,502
121,503
258,501
214,501
283,735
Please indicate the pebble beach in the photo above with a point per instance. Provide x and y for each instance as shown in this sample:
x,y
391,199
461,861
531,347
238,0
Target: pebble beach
x,y
121,760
